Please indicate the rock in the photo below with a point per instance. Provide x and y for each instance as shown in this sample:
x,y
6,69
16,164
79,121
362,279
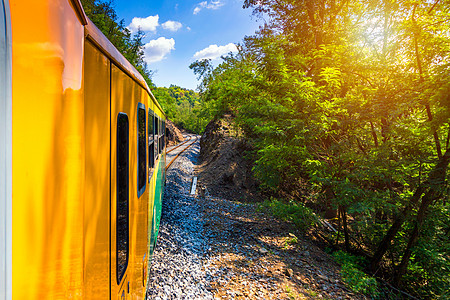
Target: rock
x,y
289,272
263,251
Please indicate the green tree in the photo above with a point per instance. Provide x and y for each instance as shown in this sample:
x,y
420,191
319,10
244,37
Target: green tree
x,y
183,107
103,15
352,97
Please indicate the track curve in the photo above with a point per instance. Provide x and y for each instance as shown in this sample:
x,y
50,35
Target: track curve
x,y
179,153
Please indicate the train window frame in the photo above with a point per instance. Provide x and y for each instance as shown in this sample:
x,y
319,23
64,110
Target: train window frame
x,y
160,136
151,145
141,167
164,134
156,136
122,196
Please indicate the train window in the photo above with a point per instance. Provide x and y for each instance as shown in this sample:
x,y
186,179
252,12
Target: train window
x,y
156,131
141,150
161,137
122,185
151,144
164,134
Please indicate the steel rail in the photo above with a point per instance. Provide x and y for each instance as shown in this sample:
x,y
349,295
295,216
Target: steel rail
x,y
176,156
179,144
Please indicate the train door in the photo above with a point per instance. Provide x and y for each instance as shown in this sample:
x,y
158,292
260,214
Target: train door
x,y
97,173
5,153
129,192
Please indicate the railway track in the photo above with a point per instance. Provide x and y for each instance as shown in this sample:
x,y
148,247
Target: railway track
x,y
179,145
172,157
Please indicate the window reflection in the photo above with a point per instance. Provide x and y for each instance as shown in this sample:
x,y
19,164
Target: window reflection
x,y
122,226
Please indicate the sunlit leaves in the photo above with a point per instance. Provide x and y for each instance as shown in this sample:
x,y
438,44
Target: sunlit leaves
x,y
352,97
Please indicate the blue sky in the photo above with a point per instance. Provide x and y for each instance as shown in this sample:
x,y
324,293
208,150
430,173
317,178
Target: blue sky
x,y
180,31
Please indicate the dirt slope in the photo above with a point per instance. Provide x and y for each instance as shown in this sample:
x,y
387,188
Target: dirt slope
x,y
223,170
174,135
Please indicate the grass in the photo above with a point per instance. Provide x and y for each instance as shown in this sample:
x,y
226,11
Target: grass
x,y
290,293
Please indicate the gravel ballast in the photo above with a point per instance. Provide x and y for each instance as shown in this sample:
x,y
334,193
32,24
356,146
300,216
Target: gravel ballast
x,y
177,263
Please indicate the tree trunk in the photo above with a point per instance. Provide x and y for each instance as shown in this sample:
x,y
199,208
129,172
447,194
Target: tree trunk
x,y
339,226
344,222
395,227
427,199
431,188
374,134
416,34
431,195
310,8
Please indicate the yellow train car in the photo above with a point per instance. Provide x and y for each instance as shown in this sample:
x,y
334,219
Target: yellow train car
x,y
82,159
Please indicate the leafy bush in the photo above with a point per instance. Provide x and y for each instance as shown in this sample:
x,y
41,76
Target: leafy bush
x,y
183,107
352,275
297,213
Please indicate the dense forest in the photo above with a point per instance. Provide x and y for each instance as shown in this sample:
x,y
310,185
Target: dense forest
x,y
346,105
183,107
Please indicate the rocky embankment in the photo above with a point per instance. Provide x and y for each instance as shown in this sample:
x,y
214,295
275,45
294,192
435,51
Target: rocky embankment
x,y
223,170
174,135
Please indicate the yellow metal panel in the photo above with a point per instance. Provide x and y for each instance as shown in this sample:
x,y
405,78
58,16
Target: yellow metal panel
x,y
97,200
48,150
126,94
140,207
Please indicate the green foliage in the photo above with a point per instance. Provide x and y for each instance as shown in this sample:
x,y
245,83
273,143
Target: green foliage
x,y
431,256
183,107
297,213
354,277
292,239
353,98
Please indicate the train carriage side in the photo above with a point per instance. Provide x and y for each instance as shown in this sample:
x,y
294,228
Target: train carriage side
x,y
87,161
135,205
48,157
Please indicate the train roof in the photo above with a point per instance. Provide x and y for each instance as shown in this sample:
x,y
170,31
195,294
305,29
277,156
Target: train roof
x,y
101,41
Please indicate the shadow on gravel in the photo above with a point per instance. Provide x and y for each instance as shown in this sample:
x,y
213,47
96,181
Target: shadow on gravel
x,y
254,256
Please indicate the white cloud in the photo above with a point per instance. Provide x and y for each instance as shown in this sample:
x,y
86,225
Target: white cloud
x,y
156,50
214,51
146,24
188,28
208,5
197,10
171,25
